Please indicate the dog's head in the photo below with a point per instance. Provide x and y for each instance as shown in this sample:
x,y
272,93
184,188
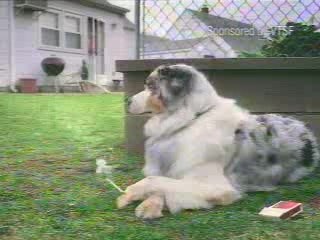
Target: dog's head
x,y
168,88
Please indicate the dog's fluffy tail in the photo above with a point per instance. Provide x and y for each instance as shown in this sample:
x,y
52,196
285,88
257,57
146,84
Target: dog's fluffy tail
x,y
272,149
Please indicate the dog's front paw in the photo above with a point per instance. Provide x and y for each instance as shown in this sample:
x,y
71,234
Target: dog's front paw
x,y
228,197
124,200
151,208
137,191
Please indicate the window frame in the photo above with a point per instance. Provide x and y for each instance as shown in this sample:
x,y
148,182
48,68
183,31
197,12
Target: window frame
x,y
59,29
62,33
81,32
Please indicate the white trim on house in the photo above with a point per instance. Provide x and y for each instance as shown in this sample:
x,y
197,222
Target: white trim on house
x,y
12,55
93,56
167,51
80,32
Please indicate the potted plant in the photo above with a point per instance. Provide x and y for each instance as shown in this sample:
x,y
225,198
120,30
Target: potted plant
x,y
84,71
28,85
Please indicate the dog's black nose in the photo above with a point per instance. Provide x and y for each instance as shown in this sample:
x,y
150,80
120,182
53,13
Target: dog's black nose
x,y
129,101
238,131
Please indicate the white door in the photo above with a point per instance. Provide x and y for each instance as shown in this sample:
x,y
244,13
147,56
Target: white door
x,y
96,38
100,47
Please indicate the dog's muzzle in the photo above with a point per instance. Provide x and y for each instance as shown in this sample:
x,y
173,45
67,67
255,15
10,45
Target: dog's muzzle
x,y
137,104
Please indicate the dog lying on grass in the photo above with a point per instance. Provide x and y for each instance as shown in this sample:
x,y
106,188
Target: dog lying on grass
x,y
203,149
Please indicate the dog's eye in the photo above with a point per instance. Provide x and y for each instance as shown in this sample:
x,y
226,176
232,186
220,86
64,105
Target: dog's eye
x,y
260,156
238,131
151,86
272,159
164,71
179,74
183,76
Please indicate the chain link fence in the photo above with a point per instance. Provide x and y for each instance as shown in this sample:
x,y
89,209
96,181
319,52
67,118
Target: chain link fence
x,y
229,28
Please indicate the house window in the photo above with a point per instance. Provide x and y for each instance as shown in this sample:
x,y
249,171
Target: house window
x,y
50,29
72,32
61,30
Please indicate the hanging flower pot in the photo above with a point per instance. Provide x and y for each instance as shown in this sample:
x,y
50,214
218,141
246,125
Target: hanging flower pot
x,y
53,66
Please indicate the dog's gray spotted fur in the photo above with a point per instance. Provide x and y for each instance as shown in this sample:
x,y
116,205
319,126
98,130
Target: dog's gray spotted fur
x,y
285,151
203,149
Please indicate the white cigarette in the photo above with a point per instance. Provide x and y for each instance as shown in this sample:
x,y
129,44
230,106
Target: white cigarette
x,y
115,185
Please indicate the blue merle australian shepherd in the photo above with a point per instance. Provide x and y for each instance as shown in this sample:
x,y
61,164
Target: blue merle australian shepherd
x,y
203,149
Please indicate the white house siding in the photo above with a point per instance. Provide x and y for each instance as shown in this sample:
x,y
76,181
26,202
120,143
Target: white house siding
x,y
4,45
127,52
120,45
29,54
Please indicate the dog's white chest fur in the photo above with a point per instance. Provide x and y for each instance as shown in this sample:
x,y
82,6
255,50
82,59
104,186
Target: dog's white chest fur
x,y
176,155
162,155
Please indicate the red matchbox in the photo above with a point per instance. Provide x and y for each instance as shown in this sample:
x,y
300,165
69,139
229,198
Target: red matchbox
x,y
282,210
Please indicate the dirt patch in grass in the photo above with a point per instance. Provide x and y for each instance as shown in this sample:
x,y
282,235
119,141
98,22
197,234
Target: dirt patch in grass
x,y
315,202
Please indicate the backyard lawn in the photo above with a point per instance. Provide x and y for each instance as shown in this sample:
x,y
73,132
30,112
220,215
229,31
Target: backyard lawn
x,y
49,188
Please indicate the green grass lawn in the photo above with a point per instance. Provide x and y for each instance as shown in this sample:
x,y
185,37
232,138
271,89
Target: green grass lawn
x,y
49,189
